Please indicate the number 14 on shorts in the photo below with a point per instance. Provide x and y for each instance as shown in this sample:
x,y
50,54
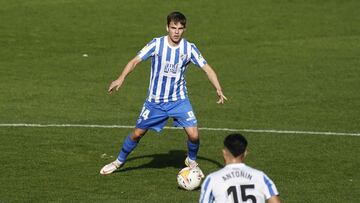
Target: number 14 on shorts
x,y
145,113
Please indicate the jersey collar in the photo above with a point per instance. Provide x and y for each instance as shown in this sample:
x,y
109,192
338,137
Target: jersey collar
x,y
235,165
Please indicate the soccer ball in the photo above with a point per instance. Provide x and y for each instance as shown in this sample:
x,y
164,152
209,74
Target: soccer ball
x,y
190,178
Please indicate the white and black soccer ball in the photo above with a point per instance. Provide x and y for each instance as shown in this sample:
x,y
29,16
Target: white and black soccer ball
x,y
190,178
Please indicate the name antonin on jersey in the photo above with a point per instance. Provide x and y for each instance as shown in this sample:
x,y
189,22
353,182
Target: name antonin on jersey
x,y
237,174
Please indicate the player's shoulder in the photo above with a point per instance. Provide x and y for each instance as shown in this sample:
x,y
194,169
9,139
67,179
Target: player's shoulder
x,y
215,175
188,43
259,175
219,173
253,170
160,37
185,40
192,44
212,179
156,39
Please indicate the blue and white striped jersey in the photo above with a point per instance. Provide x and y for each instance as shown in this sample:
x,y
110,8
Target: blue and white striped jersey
x,y
168,66
237,183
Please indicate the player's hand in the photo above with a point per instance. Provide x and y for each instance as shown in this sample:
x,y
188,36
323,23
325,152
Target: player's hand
x,y
221,96
116,84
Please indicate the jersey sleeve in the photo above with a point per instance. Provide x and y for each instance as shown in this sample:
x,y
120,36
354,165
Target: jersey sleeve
x,y
206,191
148,50
196,57
269,187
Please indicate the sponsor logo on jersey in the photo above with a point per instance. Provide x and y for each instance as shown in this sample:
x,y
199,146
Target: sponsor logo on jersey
x,y
171,68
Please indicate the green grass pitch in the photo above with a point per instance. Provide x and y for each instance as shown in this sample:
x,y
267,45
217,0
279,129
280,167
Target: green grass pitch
x,y
283,64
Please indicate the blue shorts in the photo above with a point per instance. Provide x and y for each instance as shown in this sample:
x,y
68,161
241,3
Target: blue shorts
x,y
155,115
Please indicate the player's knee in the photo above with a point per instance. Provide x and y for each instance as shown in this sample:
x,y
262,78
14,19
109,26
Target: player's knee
x,y
194,137
136,137
137,134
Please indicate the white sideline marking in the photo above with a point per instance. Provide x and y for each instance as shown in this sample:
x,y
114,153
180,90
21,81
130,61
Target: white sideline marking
x,y
174,128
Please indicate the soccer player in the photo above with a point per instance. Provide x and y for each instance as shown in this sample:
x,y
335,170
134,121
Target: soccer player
x,y
167,95
237,182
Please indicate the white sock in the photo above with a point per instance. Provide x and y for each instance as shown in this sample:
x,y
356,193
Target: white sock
x,y
190,160
117,163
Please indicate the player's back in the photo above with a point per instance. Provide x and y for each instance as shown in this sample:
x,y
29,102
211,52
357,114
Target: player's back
x,y
237,183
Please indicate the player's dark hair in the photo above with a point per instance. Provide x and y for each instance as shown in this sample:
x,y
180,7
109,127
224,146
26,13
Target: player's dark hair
x,y
236,144
176,17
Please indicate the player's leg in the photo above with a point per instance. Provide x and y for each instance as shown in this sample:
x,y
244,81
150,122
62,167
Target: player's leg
x,y
128,146
193,144
151,117
184,116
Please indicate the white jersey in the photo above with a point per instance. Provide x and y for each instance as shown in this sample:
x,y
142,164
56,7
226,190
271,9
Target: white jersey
x,y
237,183
168,66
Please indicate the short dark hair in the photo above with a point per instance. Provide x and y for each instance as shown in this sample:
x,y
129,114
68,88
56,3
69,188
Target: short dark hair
x,y
236,144
176,17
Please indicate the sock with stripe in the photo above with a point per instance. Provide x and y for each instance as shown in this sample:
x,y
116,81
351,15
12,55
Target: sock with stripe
x,y
127,148
193,148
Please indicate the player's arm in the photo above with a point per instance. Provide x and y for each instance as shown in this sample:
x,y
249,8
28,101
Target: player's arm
x,y
130,66
274,199
215,82
206,194
270,190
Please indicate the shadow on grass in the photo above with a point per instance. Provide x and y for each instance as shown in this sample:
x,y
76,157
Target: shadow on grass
x,y
174,158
